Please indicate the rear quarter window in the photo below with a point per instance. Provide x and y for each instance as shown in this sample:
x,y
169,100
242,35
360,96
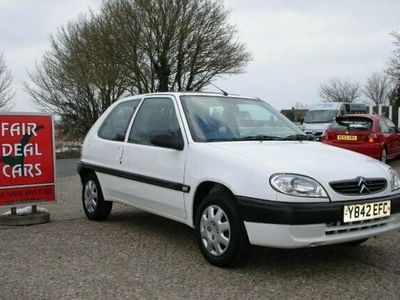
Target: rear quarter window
x,y
390,124
383,127
116,124
352,124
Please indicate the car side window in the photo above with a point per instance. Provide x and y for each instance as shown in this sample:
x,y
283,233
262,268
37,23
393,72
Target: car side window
x,y
155,116
116,124
383,127
390,125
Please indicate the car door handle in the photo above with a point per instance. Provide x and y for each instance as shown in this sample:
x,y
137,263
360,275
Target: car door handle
x,y
121,154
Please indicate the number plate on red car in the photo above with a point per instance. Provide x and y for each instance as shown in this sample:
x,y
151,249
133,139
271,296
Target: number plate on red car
x,y
346,138
366,211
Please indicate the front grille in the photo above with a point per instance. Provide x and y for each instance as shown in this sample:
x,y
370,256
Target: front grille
x,y
359,186
341,227
315,133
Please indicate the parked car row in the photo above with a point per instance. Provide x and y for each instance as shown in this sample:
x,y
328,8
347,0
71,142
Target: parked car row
x,y
321,115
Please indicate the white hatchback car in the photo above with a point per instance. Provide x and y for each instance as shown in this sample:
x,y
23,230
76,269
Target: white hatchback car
x,y
237,171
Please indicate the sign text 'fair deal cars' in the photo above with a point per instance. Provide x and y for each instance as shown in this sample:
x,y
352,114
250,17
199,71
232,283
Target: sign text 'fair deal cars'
x,y
26,158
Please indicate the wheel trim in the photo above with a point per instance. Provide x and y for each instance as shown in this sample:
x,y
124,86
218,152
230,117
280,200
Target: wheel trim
x,y
90,196
215,230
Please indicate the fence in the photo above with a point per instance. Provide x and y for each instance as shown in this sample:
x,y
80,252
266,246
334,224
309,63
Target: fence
x,y
388,111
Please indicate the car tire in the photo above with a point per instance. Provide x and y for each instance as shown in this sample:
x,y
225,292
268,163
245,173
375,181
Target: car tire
x,y
94,205
220,232
383,156
356,243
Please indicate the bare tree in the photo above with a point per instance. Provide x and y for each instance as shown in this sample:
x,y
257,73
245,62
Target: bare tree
x,y
336,90
394,71
299,105
378,89
175,45
395,96
79,77
135,46
6,92
394,62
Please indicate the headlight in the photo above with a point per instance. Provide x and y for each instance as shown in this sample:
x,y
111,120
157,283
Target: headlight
x,y
297,185
394,180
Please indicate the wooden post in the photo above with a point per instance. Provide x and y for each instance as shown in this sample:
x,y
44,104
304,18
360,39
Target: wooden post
x,y
34,209
13,211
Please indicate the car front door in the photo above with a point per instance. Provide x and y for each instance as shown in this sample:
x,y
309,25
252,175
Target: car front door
x,y
155,173
106,148
395,135
388,138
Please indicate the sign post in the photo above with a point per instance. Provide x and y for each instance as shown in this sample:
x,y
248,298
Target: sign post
x,y
27,161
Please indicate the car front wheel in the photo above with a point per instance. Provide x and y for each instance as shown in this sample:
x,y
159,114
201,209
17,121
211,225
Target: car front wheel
x,y
94,205
220,232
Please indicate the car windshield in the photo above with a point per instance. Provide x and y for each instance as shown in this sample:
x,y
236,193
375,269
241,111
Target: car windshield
x,y
218,118
320,116
352,123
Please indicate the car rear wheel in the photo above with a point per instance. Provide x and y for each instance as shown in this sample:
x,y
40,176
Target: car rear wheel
x,y
220,232
94,205
384,155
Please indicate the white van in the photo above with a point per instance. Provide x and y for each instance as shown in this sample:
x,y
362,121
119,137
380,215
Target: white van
x,y
321,115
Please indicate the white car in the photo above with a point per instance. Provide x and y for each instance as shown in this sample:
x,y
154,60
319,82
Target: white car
x,y
237,171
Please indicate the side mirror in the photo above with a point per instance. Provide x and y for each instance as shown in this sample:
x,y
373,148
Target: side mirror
x,y
167,140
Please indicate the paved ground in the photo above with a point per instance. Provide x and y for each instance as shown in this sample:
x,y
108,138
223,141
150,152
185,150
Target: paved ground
x,y
66,167
138,255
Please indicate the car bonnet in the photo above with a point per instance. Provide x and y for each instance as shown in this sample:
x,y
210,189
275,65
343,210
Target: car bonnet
x,y
322,162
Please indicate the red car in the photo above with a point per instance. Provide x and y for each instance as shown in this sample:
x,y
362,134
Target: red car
x,y
372,135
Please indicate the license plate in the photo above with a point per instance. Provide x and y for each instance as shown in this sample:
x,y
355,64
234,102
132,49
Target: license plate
x,y
366,211
346,137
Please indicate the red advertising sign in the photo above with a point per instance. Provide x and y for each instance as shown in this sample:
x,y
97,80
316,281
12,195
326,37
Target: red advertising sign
x,y
26,158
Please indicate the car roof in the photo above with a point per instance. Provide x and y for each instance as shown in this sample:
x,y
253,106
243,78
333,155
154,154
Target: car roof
x,y
178,94
369,116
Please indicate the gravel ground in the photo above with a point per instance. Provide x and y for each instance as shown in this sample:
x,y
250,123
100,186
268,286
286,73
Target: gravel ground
x,y
135,254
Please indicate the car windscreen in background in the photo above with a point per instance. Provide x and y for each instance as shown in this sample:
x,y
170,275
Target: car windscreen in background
x,y
352,123
320,116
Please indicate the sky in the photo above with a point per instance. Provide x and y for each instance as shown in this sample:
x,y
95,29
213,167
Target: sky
x,y
296,45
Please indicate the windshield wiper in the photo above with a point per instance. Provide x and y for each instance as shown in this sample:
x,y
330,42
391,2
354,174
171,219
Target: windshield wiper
x,y
260,137
317,121
298,137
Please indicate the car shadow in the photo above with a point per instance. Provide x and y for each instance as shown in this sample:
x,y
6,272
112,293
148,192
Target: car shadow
x,y
177,237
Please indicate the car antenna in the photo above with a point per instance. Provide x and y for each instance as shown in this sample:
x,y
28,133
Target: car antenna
x,y
223,92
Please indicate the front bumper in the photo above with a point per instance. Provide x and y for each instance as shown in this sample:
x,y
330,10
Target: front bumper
x,y
292,213
302,236
297,225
